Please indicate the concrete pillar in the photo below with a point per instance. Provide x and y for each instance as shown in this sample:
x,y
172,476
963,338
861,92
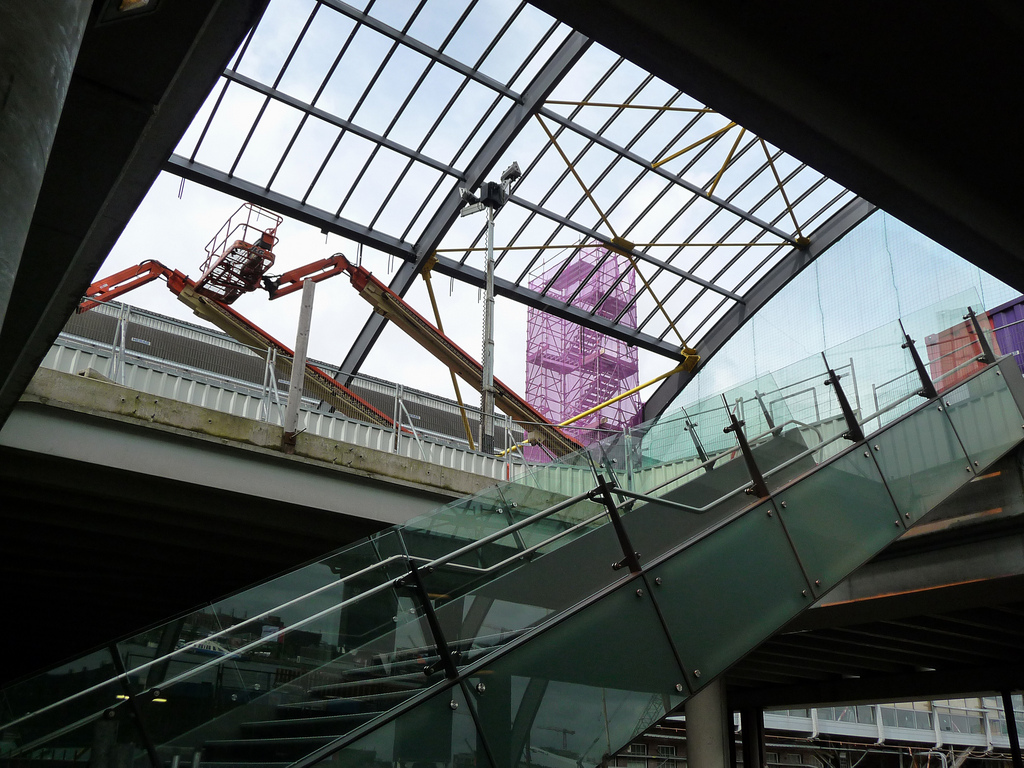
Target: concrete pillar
x,y
39,44
752,728
708,728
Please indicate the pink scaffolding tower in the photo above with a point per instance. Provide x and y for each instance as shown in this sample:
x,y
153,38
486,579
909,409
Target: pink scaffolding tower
x,y
569,368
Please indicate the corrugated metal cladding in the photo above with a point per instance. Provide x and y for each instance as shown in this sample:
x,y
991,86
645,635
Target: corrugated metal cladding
x,y
1006,319
178,361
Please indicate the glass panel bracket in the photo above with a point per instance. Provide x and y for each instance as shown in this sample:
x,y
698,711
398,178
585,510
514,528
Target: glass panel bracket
x,y
603,494
446,657
987,355
759,487
928,390
853,432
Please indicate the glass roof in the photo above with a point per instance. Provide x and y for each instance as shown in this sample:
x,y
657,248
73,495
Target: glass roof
x,y
366,119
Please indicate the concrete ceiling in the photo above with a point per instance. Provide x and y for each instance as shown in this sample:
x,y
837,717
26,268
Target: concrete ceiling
x,y
136,85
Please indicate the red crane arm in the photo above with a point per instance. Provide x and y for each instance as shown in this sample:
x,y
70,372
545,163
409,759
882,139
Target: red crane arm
x,y
109,288
291,281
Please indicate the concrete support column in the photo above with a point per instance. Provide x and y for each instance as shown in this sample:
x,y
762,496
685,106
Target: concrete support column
x,y
708,728
752,728
39,44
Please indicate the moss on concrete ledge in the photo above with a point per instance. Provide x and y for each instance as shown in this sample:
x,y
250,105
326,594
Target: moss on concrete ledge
x,y
98,397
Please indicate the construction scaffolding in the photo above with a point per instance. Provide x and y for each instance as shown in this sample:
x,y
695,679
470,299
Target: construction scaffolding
x,y
570,369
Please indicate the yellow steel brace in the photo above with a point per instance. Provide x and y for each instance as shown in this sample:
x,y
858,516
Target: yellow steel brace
x,y
427,266
684,366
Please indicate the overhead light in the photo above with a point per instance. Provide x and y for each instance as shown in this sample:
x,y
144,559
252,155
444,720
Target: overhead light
x,y
512,173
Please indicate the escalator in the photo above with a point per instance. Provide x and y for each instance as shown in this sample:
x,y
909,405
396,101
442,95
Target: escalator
x,y
545,622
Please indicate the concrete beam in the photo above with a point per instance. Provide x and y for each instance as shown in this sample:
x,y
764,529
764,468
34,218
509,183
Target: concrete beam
x,y
38,46
136,84
95,422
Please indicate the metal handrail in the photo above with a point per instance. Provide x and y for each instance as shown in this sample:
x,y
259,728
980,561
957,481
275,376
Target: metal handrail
x,y
270,637
436,563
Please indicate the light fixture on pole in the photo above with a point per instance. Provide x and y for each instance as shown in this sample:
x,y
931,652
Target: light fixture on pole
x,y
491,196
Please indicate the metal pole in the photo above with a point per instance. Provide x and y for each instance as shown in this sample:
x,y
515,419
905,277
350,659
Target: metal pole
x,y
927,385
853,431
487,389
291,416
1011,729
987,356
760,488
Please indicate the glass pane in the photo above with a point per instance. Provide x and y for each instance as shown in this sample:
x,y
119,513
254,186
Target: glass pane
x,y
838,517
108,738
307,670
567,697
985,416
783,457
728,592
494,607
921,460
62,712
57,709
439,731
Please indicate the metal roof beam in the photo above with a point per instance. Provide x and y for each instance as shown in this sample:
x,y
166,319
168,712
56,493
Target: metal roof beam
x,y
509,289
345,125
286,206
431,53
660,171
852,214
568,53
639,255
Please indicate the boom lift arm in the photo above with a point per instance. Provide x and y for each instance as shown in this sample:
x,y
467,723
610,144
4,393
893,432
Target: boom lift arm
x,y
316,382
389,304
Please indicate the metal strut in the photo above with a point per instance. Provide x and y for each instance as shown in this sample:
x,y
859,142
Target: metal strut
x,y
987,356
927,385
853,429
631,558
446,657
760,487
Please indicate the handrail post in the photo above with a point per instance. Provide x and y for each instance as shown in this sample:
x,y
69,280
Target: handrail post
x,y
445,656
760,487
853,431
987,356
689,426
927,385
631,557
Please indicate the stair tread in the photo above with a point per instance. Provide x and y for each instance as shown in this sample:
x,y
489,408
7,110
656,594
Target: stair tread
x,y
299,721
269,742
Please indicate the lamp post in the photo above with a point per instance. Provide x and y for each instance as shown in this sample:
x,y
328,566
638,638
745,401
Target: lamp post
x,y
491,196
